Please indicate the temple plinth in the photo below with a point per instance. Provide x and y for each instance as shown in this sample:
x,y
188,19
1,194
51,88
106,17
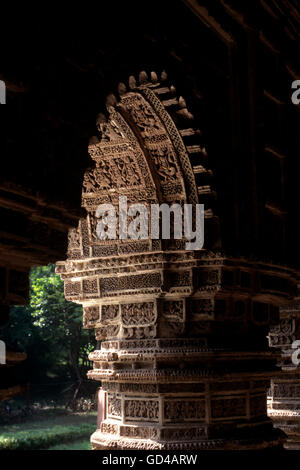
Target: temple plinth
x,y
184,358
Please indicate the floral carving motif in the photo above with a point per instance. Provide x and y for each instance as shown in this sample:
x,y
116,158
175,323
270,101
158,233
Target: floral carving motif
x,y
109,312
165,163
138,314
144,409
73,239
175,410
173,309
91,315
114,406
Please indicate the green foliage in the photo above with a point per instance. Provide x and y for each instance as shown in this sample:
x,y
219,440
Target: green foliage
x,y
77,445
49,329
42,439
50,428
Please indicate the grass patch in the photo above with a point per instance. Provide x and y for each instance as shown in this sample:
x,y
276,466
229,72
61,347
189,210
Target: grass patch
x,y
77,445
47,432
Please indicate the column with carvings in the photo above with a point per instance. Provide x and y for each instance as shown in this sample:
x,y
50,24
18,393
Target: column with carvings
x,y
184,358
284,395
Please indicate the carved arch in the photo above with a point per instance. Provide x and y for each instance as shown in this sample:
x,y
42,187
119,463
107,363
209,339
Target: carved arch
x,y
142,154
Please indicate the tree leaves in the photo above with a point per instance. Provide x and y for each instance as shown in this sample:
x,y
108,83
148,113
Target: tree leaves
x,y
50,329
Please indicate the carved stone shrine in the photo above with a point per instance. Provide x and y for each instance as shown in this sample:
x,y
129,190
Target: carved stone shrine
x,y
184,357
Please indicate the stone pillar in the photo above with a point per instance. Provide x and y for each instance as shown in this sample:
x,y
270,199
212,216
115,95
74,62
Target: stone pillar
x,y
184,358
284,394
101,407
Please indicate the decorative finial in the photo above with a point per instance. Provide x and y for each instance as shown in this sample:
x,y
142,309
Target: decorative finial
x,y
111,100
143,77
153,77
122,88
164,75
132,82
181,102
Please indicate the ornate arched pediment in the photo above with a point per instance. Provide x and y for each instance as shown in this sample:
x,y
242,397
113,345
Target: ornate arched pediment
x,y
140,153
